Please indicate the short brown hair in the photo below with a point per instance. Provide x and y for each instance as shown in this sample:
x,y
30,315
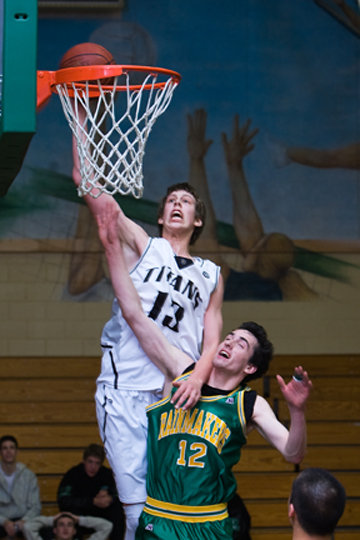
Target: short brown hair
x,y
200,208
95,450
263,351
11,438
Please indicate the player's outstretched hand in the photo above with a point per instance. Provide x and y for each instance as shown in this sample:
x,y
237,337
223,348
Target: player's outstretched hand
x,y
297,390
187,394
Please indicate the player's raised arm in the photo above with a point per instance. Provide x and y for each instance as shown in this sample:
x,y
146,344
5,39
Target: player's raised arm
x,y
189,390
170,360
291,443
133,237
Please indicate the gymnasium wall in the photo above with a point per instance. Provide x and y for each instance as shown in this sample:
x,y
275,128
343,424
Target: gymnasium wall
x,y
36,321
290,70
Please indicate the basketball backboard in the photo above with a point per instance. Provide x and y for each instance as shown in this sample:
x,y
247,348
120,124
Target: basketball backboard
x,y
18,34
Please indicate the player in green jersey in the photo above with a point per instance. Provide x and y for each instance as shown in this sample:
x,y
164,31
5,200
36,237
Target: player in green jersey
x,y
190,457
191,453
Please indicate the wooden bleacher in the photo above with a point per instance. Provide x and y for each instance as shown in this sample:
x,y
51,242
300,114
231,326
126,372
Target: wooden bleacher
x,y
47,403
333,414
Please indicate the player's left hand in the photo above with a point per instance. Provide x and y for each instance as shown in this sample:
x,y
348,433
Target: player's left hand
x,y
297,390
187,394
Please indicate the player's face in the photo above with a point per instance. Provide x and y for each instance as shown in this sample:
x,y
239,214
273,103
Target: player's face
x,y
8,452
65,529
92,465
179,211
234,353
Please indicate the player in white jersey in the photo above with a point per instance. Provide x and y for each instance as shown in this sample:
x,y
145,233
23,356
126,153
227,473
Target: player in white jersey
x,y
175,295
183,295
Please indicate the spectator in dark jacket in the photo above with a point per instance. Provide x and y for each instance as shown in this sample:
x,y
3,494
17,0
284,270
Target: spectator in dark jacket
x,y
89,489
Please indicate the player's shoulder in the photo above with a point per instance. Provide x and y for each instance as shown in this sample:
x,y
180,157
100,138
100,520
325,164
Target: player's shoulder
x,y
206,263
162,245
210,271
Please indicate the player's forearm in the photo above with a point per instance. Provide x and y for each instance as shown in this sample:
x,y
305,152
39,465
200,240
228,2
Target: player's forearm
x,y
150,337
169,359
213,323
295,447
202,368
212,334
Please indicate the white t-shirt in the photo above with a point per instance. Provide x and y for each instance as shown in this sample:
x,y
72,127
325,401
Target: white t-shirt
x,y
9,479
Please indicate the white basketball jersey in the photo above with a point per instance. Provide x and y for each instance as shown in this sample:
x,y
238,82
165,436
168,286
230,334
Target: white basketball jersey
x,y
175,293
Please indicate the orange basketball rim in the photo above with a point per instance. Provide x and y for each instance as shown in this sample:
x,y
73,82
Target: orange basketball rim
x,y
47,81
111,110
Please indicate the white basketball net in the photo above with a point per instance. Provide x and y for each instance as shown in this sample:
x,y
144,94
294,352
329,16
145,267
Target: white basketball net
x,y
111,131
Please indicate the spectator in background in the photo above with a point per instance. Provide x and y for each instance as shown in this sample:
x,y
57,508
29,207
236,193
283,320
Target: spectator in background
x,y
19,490
64,527
316,504
89,489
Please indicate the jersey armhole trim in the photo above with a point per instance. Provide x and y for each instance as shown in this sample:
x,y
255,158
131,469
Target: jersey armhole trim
x,y
141,258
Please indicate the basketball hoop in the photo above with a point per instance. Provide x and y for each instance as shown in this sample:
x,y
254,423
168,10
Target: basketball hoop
x,y
111,111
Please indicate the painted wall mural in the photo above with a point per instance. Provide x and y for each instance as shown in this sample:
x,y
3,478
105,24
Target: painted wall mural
x,y
268,107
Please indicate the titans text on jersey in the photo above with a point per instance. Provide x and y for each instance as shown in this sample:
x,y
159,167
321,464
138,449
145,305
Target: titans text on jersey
x,y
177,282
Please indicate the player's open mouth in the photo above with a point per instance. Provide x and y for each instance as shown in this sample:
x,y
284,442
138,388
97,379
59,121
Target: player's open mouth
x,y
224,354
176,214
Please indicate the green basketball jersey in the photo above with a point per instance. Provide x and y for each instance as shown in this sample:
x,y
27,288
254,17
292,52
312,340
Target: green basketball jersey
x,y
191,454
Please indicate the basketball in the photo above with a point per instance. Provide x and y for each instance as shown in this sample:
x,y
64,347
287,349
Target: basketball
x,y
86,54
